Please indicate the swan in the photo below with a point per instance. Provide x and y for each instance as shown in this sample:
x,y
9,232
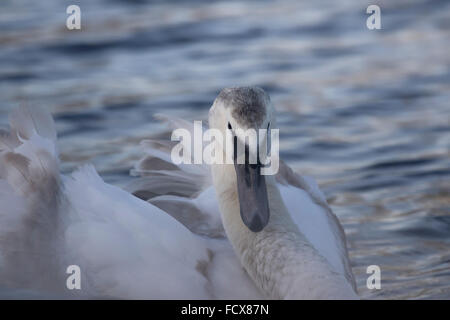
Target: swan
x,y
191,231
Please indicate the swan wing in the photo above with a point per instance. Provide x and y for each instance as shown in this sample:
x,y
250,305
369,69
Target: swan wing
x,y
185,191
136,249
128,247
309,209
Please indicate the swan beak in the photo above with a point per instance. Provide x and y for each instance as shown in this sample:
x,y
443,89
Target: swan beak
x,y
253,201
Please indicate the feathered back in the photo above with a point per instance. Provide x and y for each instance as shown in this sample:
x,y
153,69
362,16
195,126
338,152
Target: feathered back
x,y
28,152
30,197
26,121
184,191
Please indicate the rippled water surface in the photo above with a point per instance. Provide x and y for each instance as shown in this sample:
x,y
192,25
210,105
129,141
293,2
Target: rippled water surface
x,y
365,112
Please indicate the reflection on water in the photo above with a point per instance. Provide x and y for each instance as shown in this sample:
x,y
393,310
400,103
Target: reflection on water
x,y
365,112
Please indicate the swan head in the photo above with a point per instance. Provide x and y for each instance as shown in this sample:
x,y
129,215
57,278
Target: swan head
x,y
244,115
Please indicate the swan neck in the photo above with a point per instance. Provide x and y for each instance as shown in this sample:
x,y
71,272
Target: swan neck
x,y
279,259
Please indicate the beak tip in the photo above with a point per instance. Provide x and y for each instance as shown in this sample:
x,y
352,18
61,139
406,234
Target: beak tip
x,y
256,224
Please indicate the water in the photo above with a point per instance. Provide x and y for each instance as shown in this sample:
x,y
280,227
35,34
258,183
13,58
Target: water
x,y
365,112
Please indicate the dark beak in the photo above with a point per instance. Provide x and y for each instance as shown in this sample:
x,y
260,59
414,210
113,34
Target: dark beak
x,y
253,201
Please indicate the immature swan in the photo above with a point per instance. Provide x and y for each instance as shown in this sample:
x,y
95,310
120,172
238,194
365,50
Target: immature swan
x,y
273,236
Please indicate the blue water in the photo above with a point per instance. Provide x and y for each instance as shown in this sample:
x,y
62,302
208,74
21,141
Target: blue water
x,y
364,112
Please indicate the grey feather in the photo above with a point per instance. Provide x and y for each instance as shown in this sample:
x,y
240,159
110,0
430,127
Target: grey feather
x,y
7,141
26,120
248,104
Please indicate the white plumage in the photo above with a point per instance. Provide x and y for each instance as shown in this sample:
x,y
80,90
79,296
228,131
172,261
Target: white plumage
x,y
172,246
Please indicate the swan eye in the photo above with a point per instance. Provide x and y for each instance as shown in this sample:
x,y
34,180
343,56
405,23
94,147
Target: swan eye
x,y
229,126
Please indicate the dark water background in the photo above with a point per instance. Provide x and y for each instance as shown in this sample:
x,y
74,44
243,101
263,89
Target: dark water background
x,y
365,112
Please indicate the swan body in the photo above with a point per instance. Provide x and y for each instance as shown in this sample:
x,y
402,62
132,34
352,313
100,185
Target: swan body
x,y
175,232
